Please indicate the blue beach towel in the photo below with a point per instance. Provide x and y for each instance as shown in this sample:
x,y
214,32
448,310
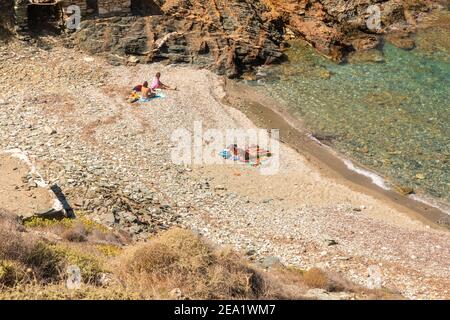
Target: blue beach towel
x,y
225,154
158,95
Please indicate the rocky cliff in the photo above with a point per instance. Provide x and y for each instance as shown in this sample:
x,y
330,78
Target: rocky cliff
x,y
6,17
232,36
227,36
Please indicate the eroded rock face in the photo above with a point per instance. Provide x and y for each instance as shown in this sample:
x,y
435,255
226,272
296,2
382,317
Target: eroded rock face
x,y
6,17
332,26
232,36
227,36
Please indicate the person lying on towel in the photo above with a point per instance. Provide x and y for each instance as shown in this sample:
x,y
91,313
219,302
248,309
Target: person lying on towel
x,y
252,154
238,153
157,84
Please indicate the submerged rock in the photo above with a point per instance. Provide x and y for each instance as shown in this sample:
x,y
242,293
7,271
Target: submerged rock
x,y
401,40
364,56
404,190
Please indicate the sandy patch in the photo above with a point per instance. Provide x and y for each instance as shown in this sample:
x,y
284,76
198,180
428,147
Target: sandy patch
x,y
17,195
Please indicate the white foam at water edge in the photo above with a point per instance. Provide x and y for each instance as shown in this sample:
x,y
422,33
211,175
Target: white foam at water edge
x,y
430,203
379,181
309,135
376,179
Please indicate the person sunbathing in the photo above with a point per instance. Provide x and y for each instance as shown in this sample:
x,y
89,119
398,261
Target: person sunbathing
x,y
146,92
250,154
239,153
157,84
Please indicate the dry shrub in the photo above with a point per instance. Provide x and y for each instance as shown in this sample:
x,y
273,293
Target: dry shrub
x,y
176,259
231,277
76,233
110,237
381,294
11,273
18,246
337,283
12,243
153,258
35,255
191,250
81,229
90,265
180,259
46,262
316,278
332,282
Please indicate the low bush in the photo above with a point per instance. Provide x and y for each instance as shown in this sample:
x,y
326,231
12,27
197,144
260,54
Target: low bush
x,y
180,259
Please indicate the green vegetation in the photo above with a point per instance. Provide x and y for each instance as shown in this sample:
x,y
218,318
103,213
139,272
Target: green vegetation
x,y
175,264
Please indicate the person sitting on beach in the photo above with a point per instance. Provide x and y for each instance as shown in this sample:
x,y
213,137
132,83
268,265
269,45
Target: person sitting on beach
x,y
146,92
157,84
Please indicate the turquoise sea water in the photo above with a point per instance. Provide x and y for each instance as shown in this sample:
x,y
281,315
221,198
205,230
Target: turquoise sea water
x,y
393,117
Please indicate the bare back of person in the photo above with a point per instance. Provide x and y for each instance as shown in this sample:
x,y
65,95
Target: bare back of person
x,y
145,92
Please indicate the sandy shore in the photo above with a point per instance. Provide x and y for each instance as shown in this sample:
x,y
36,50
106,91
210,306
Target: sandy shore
x,y
303,215
267,113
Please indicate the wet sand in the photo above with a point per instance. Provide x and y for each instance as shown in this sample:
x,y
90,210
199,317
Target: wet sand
x,y
265,112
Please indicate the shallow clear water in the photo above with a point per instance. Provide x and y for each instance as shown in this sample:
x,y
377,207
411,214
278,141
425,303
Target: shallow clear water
x,y
393,117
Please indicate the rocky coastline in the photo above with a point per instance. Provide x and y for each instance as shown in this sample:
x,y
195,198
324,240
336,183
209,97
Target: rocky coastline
x,y
111,161
233,37
66,109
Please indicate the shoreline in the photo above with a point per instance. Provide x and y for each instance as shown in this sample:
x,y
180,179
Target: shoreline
x,y
265,112
111,160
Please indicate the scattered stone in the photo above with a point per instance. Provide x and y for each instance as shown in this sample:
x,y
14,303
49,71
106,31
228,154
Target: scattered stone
x,y
331,242
48,130
32,184
271,262
420,176
365,56
133,60
404,190
176,294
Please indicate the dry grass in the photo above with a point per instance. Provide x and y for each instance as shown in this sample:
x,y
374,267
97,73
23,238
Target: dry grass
x,y
43,261
316,278
81,229
176,264
180,259
60,292
11,273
